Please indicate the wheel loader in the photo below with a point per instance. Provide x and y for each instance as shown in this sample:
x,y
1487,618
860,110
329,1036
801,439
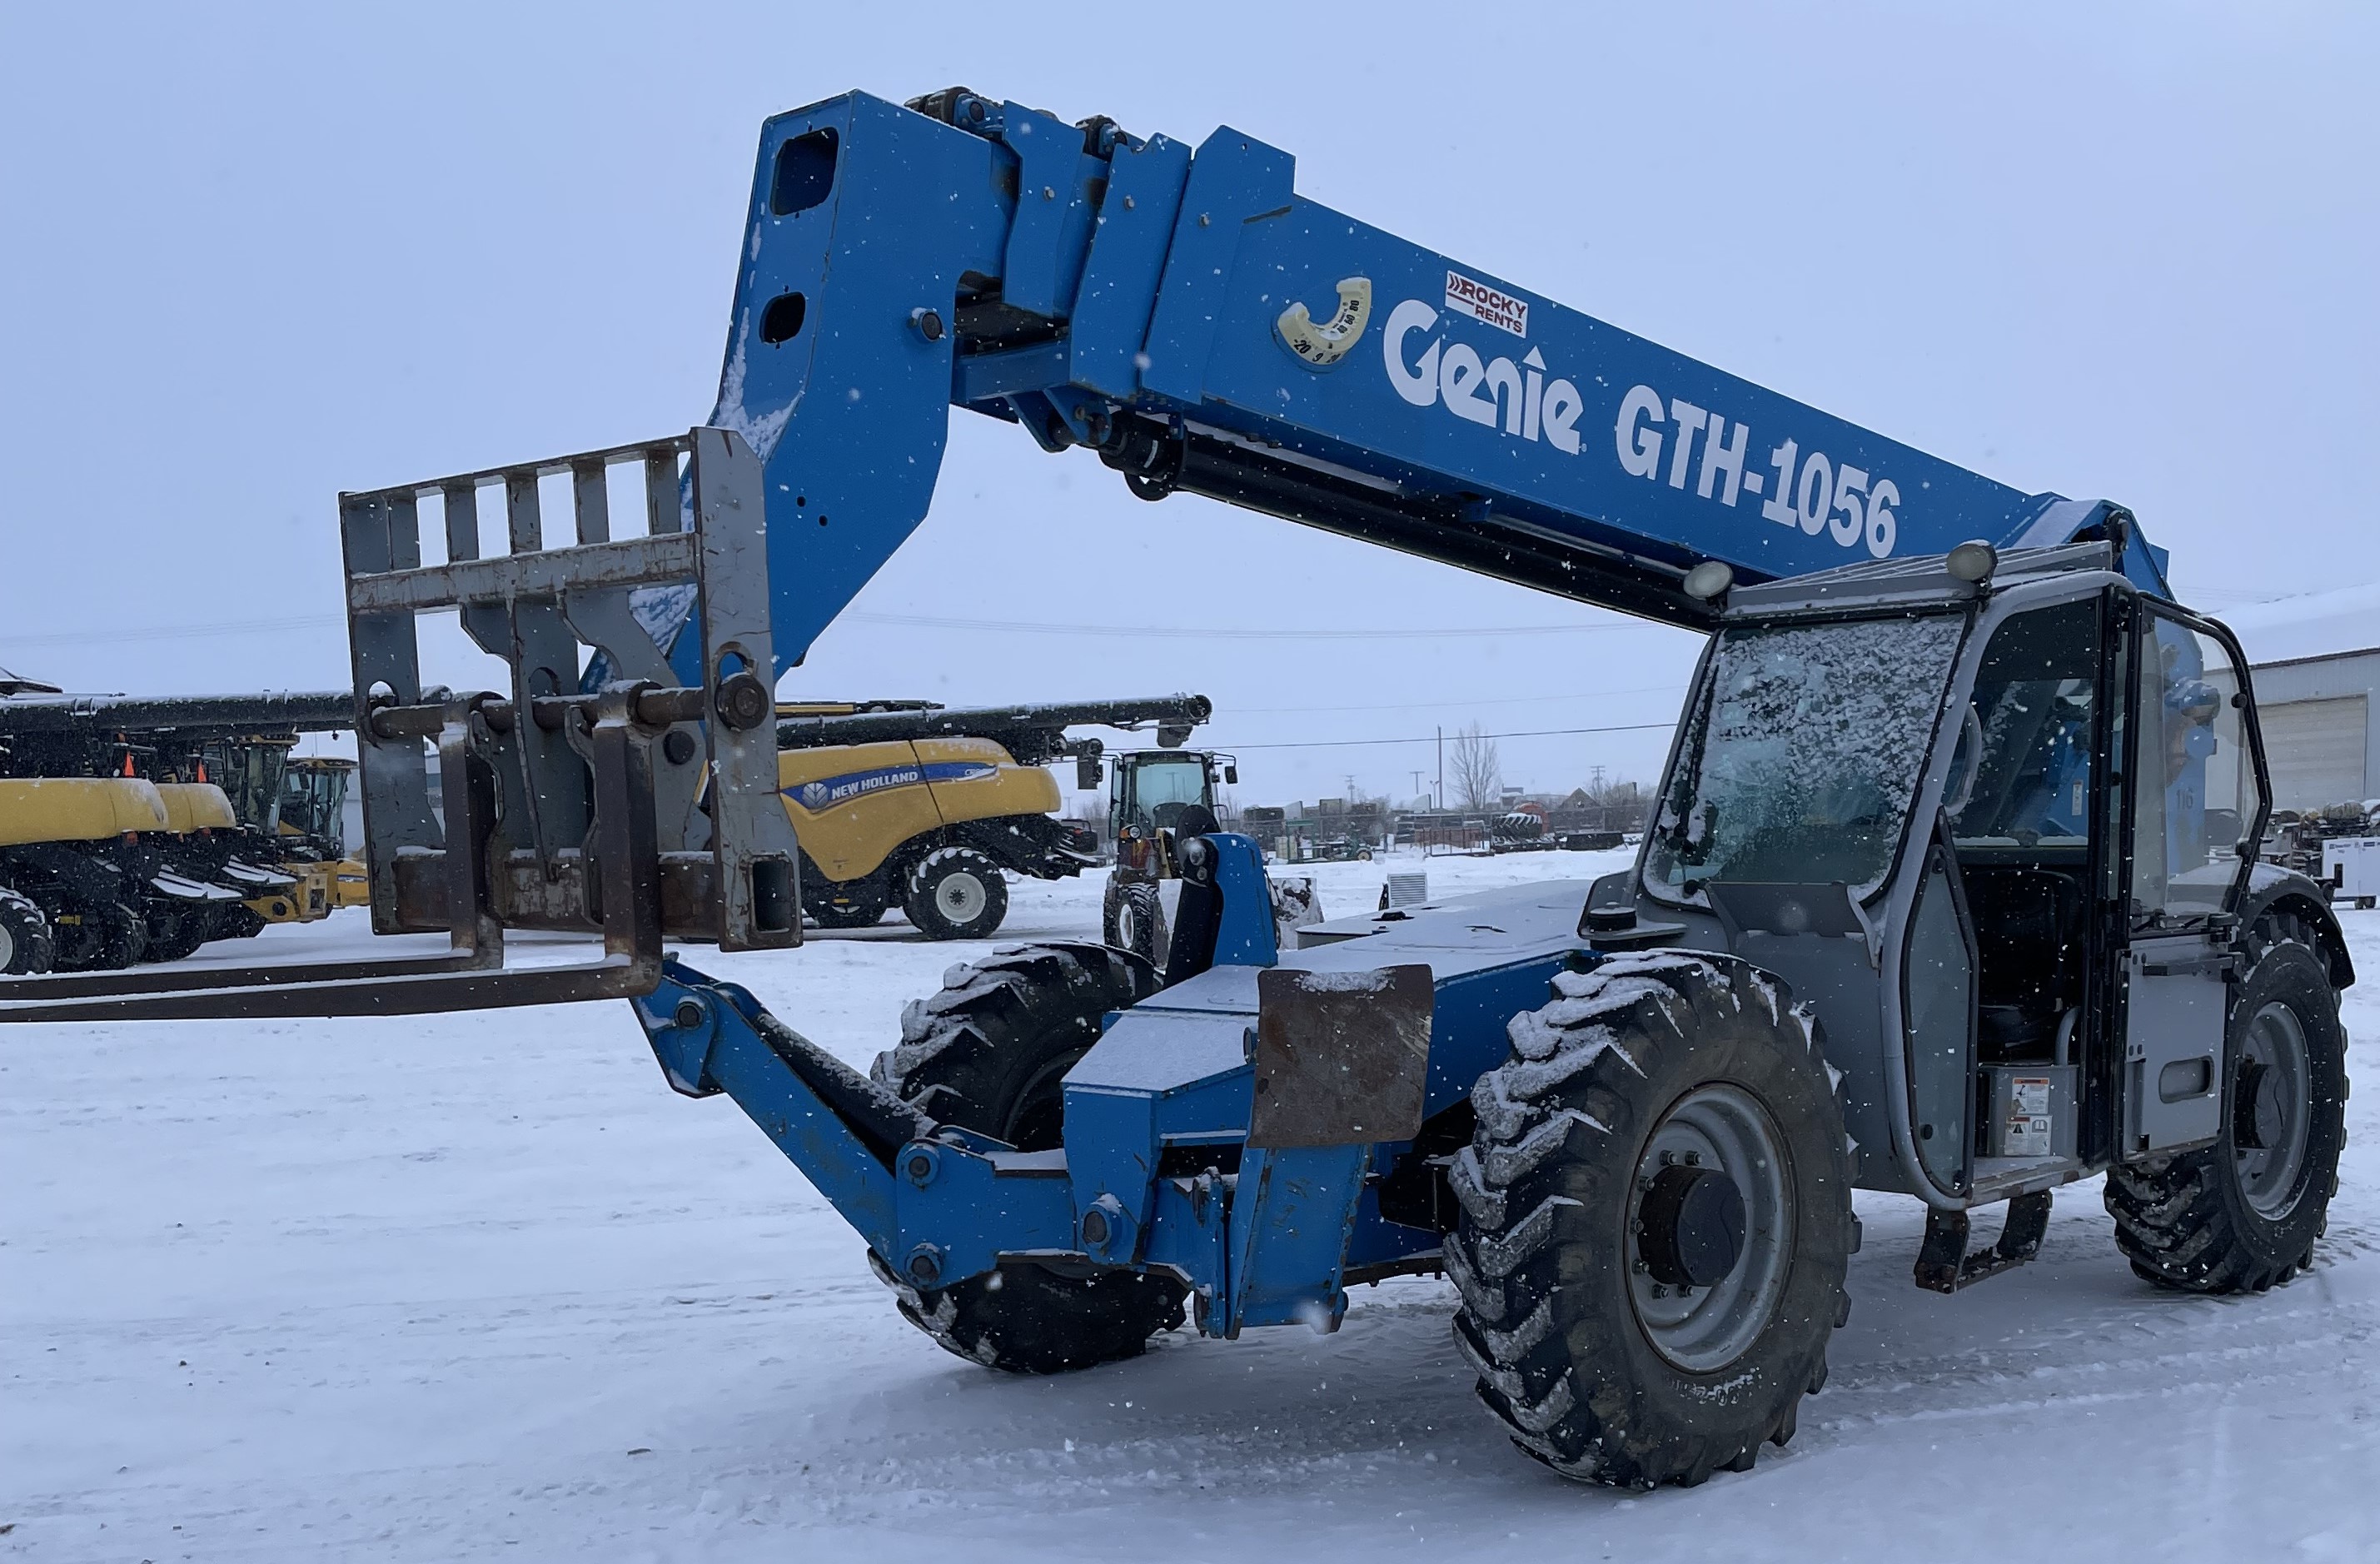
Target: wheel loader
x,y
1951,891
1155,799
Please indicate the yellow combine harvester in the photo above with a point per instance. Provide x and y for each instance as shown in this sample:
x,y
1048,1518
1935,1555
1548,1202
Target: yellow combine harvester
x,y
107,871
931,809
102,867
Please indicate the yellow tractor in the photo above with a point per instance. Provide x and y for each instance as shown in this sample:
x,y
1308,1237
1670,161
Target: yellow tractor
x,y
933,809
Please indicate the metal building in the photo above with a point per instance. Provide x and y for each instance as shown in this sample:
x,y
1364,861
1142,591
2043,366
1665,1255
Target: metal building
x,y
2316,660
2319,738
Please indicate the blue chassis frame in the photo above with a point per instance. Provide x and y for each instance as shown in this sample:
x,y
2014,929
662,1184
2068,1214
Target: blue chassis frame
x,y
1271,1244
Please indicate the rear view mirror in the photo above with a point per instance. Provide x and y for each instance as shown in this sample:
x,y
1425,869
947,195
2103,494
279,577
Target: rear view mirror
x,y
1087,772
1231,776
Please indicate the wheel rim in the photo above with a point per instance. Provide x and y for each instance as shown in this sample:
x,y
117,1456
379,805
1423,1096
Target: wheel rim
x,y
961,897
2273,1068
1723,1131
1127,934
7,946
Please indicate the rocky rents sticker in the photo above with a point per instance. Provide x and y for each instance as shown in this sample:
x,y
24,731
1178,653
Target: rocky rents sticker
x,y
1481,302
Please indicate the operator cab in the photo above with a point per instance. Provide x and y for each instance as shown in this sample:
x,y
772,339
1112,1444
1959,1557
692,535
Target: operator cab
x,y
2000,831
1154,794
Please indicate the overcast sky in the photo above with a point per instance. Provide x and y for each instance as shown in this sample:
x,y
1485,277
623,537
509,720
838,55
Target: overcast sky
x,y
250,258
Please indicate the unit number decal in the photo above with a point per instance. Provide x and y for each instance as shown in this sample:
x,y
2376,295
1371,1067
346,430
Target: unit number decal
x,y
1810,492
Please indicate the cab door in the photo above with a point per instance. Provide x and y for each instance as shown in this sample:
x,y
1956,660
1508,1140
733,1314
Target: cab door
x,y
2196,797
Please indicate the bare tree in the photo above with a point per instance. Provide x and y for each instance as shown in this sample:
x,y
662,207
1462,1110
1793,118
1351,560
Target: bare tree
x,y
1478,771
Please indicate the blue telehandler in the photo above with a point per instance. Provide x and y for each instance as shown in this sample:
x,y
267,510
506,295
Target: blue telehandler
x,y
1951,889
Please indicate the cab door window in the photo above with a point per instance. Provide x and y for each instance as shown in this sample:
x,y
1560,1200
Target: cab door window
x,y
2197,793
2025,820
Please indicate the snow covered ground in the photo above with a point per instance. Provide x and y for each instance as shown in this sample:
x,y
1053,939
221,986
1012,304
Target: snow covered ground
x,y
480,1286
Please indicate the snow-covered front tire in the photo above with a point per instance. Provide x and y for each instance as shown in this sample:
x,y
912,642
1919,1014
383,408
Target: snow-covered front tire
x,y
956,893
987,1053
1654,1221
2242,1214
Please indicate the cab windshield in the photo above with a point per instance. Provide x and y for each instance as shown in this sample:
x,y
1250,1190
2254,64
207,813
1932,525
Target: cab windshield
x,y
1147,787
1801,754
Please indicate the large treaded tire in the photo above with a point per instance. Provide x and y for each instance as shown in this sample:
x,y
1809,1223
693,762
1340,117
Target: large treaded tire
x,y
955,893
2185,1222
858,903
110,938
1549,1315
26,946
1133,919
174,934
987,1053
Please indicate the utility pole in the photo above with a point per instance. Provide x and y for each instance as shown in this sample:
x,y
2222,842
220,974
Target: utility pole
x,y
1442,768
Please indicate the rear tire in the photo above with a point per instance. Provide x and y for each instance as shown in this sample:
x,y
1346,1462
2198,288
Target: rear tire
x,y
2237,1216
956,893
1616,1337
27,948
987,1053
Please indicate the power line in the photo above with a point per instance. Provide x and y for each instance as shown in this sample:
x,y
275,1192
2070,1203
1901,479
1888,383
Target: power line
x,y
1209,633
283,624
1426,738
1454,702
280,624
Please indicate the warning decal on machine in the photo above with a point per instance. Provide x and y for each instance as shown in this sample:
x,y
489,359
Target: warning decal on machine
x,y
2029,1122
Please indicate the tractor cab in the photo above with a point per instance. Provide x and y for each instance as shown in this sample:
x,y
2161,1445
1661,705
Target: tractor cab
x,y
314,801
1155,793
1156,798
1997,822
249,768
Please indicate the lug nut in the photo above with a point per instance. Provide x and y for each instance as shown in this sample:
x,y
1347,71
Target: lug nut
x,y
1693,1158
